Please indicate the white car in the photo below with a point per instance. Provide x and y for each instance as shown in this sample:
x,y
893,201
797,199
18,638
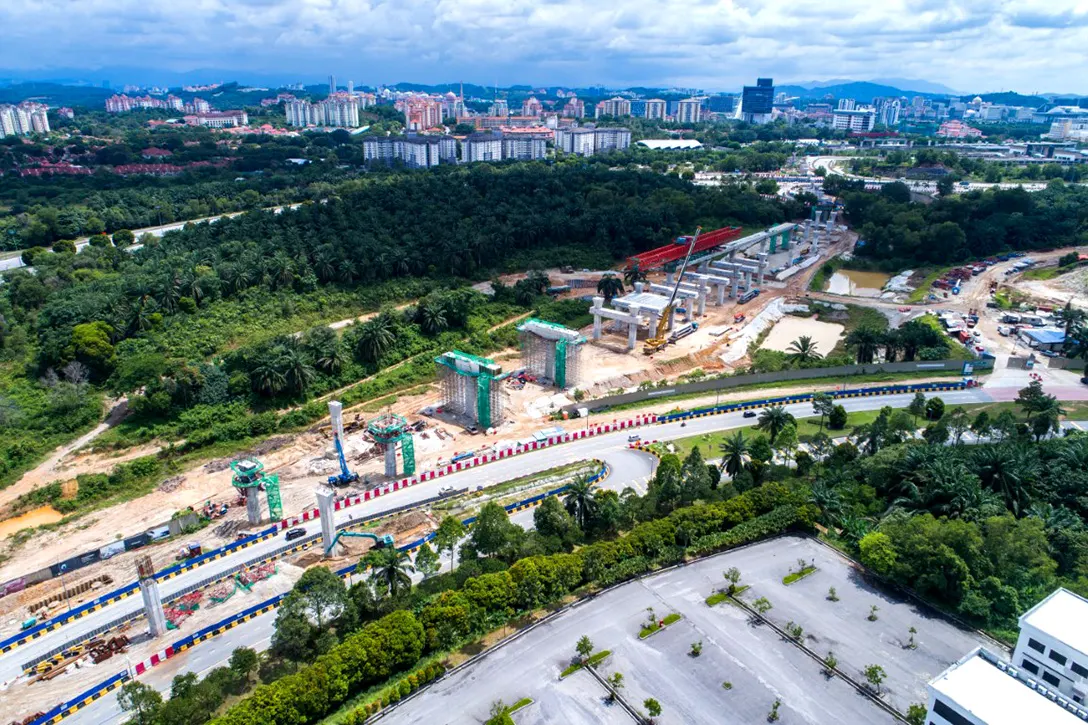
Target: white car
x,y
445,490
634,438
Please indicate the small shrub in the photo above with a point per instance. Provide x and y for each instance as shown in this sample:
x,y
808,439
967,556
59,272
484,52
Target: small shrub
x,y
696,648
832,596
727,685
872,613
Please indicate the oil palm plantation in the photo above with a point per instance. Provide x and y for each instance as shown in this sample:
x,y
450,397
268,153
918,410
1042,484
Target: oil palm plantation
x,y
802,351
431,314
609,286
734,454
389,571
773,420
1008,472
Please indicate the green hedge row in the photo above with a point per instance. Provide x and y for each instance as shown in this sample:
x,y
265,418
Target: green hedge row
x,y
397,641
396,692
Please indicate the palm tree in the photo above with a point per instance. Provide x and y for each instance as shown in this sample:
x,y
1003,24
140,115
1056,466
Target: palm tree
x,y
802,351
734,452
296,369
389,571
432,316
1007,472
578,500
1076,342
375,338
267,377
1071,317
610,285
633,274
866,341
773,420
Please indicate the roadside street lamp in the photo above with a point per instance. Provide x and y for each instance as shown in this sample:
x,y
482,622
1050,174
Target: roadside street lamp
x,y
64,585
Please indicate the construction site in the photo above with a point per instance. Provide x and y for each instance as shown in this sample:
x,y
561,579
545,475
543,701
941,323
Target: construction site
x,y
686,311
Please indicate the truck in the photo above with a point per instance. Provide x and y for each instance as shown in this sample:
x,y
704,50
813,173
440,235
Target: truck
x,y
1010,317
683,331
748,296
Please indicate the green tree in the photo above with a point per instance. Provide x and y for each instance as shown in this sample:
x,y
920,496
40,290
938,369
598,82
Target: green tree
x,y
958,423
787,442
773,419
578,500
615,682
244,662
866,342
917,406
823,404
492,531
762,605
389,570
427,562
878,552
551,519
916,714
734,453
609,286
934,409
874,675
732,575
837,419
653,708
584,647
375,338
449,533
142,701
123,238
91,346
803,351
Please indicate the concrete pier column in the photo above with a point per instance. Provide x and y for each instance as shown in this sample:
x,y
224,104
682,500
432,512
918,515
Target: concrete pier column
x,y
149,590
736,277
670,277
326,507
702,302
598,302
253,504
632,327
391,460
672,318
721,294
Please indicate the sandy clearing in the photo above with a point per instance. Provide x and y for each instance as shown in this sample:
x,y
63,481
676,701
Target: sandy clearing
x,y
825,334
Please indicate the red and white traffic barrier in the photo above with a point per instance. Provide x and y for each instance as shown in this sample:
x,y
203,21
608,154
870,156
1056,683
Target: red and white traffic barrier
x,y
142,667
647,419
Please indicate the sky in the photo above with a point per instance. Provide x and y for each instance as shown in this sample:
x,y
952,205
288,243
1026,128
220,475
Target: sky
x,y
969,45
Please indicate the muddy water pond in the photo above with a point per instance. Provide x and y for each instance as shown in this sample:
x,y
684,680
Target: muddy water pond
x,y
32,518
856,283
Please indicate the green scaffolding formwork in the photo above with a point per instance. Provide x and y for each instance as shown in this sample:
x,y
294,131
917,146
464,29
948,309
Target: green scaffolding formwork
x,y
551,352
388,430
468,387
249,474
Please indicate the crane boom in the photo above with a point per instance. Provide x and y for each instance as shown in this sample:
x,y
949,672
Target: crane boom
x,y
658,341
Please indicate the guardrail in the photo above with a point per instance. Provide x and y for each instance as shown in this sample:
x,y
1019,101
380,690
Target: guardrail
x,y
213,630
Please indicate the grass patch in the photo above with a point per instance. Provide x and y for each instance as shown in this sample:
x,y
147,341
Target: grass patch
x,y
715,599
956,349
851,380
523,702
1045,273
822,278
592,661
654,627
798,575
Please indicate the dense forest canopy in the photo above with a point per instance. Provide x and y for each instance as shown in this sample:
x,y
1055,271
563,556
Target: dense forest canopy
x,y
898,233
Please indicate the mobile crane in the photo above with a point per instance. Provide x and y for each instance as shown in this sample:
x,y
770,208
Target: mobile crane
x,y
659,341
345,476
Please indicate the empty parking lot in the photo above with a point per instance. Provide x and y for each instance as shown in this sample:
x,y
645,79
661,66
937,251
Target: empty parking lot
x,y
759,665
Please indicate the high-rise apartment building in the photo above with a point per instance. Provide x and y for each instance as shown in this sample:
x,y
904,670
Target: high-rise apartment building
x,y
757,102
531,107
524,148
655,109
574,108
689,110
580,141
332,84
340,110
847,104
24,119
499,108
482,146
613,107
889,112
611,139
420,112
122,104
414,151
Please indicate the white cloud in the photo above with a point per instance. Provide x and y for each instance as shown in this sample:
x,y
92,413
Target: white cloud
x,y
973,45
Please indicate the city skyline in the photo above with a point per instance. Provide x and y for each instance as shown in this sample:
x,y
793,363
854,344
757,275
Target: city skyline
x,y
968,46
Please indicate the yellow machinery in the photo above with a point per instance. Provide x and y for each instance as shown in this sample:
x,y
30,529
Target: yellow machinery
x,y
659,341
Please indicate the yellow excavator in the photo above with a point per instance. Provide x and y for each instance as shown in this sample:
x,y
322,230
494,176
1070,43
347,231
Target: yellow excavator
x,y
659,341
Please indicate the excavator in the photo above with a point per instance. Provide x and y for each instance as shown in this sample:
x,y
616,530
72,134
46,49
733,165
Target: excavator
x,y
383,541
346,475
659,341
